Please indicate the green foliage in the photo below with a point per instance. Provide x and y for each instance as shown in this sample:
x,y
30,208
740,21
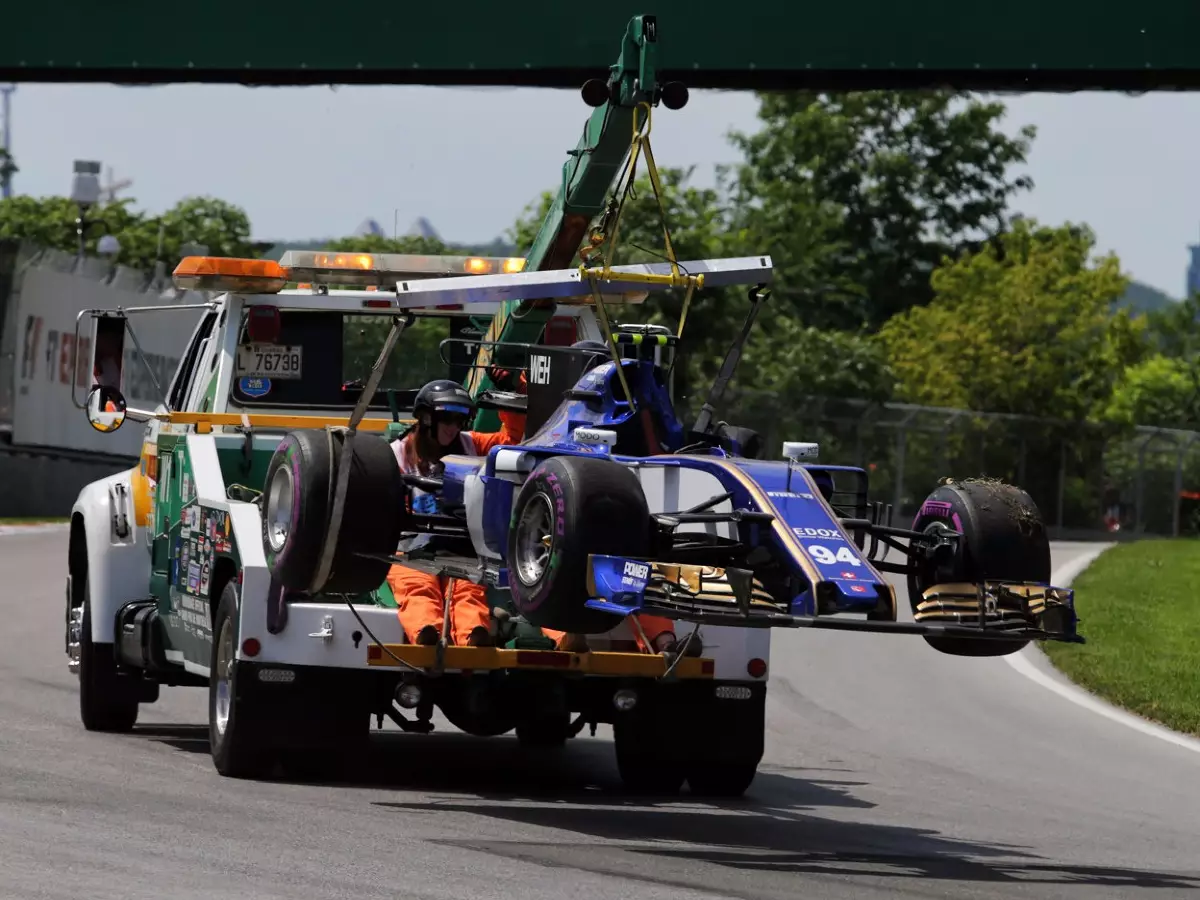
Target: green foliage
x,y
50,222
1161,391
1174,330
1022,326
859,196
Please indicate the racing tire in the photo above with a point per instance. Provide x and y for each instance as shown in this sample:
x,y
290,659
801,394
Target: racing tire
x,y
1004,539
238,748
106,702
584,505
300,484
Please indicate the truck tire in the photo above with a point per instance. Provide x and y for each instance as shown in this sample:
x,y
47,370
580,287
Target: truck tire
x,y
725,780
644,762
583,505
1004,538
238,747
300,484
106,703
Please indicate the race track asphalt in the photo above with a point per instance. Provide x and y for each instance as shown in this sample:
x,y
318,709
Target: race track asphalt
x,y
891,770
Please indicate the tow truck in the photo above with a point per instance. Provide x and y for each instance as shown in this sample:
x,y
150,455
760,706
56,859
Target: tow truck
x,y
271,446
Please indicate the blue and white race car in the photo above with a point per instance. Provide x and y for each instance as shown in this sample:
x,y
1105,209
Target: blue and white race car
x,y
610,506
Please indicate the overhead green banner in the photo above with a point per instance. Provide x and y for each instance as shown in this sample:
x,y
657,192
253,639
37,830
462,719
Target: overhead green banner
x,y
1021,45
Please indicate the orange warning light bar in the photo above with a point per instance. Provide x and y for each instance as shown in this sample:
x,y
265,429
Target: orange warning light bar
x,y
385,269
223,273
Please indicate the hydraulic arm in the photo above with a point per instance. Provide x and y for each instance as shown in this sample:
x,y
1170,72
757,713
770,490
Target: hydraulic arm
x,y
588,176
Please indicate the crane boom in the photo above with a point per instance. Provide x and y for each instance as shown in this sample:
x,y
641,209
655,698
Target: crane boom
x,y
588,175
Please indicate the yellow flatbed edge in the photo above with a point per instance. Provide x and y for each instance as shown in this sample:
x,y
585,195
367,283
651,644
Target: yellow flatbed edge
x,y
642,665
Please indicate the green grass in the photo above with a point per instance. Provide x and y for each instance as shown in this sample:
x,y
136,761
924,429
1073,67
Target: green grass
x,y
1140,611
33,520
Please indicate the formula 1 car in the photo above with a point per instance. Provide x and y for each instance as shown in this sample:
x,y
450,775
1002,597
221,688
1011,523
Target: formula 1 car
x,y
611,506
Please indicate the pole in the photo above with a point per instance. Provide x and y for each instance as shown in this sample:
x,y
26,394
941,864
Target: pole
x,y
6,166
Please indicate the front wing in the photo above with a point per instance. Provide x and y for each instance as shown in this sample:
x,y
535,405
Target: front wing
x,y
993,610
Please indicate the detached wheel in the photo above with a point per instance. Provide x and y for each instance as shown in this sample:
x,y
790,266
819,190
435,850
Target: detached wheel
x,y
300,483
1005,539
570,507
235,740
106,701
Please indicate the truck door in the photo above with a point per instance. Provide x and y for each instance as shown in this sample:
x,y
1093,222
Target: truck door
x,y
171,490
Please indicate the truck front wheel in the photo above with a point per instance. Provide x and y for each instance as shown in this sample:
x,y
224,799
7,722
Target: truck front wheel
x,y
106,701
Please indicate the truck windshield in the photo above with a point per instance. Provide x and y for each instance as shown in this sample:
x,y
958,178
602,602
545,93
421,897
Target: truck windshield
x,y
322,359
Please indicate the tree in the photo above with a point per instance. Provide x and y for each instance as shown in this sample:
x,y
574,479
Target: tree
x,y
859,196
1174,330
1023,326
1161,391
50,222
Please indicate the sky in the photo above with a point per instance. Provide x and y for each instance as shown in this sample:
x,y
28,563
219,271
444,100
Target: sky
x,y
315,162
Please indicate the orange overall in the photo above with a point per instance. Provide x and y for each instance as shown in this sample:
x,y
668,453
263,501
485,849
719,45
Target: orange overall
x,y
422,597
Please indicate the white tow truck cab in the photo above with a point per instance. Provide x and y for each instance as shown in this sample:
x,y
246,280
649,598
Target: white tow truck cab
x,y
168,581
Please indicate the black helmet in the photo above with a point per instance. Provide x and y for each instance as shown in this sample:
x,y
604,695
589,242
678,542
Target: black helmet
x,y
597,346
443,396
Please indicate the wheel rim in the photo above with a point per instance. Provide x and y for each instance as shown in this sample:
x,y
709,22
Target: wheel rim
x,y
279,508
224,676
533,539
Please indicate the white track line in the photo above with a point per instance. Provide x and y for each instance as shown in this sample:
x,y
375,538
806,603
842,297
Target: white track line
x,y
1022,663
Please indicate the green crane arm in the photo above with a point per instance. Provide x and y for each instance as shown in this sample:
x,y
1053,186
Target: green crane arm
x,y
588,176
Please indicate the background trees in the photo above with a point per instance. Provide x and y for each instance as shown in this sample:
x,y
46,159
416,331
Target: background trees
x,y
144,239
900,272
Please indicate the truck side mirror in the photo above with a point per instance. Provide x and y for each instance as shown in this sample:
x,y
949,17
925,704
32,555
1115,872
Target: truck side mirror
x,y
105,408
108,354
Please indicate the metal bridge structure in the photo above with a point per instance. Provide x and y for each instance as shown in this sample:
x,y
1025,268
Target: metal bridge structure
x,y
1017,46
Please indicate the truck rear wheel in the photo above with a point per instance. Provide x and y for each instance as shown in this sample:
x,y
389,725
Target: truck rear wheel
x,y
568,508
238,748
721,779
300,484
1004,539
646,763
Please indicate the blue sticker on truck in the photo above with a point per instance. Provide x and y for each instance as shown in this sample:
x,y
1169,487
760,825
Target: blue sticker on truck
x,y
254,387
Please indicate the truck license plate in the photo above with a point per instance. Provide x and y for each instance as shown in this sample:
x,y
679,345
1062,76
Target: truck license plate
x,y
269,361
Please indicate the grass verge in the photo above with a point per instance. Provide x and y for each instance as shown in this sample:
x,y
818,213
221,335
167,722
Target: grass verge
x,y
1139,610
33,520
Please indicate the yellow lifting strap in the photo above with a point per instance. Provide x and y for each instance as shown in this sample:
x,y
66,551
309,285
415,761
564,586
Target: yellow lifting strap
x,y
608,230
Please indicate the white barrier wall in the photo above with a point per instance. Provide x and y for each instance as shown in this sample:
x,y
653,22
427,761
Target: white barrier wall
x,y
47,297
